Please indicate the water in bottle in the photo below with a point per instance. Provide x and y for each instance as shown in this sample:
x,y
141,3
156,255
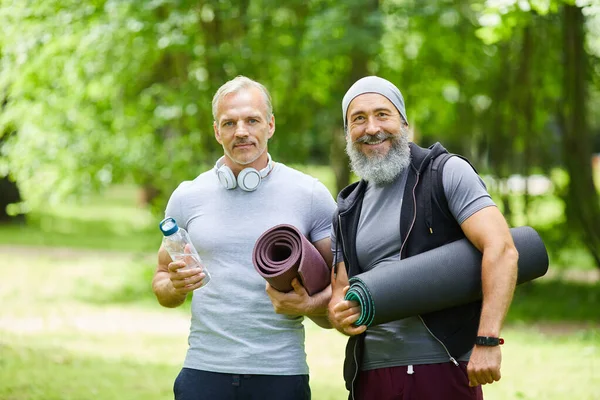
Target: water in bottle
x,y
178,244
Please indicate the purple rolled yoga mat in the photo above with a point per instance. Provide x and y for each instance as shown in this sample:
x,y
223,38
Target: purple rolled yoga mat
x,y
283,253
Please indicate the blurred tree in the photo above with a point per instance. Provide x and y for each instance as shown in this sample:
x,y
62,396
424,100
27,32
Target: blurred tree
x,y
105,91
583,203
9,190
363,47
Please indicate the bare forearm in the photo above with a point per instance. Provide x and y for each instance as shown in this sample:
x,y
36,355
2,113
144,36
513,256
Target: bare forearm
x,y
299,302
488,231
499,276
164,291
319,313
318,304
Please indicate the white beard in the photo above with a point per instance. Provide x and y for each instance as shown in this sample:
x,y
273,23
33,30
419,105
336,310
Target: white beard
x,y
380,169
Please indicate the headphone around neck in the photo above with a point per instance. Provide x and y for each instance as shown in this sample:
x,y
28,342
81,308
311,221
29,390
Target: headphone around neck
x,y
248,179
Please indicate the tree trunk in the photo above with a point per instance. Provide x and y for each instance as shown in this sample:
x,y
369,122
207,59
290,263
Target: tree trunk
x,y
498,140
583,204
361,14
524,103
339,159
9,193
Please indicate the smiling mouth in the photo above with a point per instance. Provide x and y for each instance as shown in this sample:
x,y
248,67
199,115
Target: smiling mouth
x,y
375,142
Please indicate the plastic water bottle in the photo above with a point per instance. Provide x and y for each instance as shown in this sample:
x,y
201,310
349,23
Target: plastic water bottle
x,y
178,244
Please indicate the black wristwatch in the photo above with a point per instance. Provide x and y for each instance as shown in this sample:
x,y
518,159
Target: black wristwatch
x,y
488,341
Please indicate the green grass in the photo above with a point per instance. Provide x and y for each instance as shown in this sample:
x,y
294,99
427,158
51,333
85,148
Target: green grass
x,y
45,372
112,221
554,300
79,321
65,333
73,337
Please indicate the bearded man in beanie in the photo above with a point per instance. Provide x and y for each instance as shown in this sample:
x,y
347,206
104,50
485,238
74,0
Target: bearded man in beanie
x,y
410,200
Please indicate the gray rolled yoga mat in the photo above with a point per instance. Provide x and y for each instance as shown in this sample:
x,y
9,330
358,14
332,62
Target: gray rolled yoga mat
x,y
444,277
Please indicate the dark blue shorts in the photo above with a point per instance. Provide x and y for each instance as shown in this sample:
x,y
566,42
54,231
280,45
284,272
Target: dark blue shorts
x,y
193,384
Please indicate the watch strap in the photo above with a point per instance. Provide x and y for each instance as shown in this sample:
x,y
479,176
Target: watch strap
x,y
488,341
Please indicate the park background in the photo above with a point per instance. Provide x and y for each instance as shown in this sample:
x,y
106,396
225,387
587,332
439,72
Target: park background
x,y
105,108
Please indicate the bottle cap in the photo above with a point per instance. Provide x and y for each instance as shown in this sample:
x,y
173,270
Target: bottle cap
x,y
168,226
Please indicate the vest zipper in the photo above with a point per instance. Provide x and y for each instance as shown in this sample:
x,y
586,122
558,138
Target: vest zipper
x,y
341,238
414,214
355,369
452,359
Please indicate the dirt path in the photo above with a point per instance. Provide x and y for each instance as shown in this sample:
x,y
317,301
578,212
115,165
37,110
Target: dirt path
x,y
553,273
159,320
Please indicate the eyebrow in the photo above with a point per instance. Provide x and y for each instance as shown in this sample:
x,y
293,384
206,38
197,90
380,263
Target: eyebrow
x,y
227,118
378,109
391,110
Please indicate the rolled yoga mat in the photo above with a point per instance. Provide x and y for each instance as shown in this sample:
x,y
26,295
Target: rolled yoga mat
x,y
282,253
444,277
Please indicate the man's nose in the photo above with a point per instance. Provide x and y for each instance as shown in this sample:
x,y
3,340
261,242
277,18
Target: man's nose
x,y
372,127
241,130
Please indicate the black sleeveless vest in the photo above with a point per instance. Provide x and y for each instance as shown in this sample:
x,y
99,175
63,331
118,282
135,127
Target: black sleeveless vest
x,y
433,226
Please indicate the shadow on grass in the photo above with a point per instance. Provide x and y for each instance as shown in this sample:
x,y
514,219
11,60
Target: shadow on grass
x,y
556,300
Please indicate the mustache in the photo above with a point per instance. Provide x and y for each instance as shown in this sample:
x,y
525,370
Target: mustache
x,y
376,138
242,142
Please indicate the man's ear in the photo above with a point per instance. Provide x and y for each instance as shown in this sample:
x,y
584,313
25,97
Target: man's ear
x,y
217,134
271,126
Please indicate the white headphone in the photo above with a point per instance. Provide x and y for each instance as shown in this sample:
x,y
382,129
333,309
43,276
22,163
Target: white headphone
x,y
248,179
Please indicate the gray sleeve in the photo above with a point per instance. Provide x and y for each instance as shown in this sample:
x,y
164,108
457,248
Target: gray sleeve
x,y
336,249
321,211
465,190
174,207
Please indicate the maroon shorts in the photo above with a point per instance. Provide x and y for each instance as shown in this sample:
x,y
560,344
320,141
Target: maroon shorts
x,y
427,382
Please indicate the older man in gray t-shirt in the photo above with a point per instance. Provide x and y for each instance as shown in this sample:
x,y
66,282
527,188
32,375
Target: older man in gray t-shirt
x,y
246,339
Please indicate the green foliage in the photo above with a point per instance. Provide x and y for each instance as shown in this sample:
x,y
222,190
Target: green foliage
x,y
100,92
111,89
556,300
104,91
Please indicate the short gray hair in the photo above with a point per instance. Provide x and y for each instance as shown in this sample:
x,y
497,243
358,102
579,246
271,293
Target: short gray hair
x,y
235,85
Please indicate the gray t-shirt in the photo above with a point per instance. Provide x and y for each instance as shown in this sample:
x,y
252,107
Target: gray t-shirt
x,y
407,341
234,328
